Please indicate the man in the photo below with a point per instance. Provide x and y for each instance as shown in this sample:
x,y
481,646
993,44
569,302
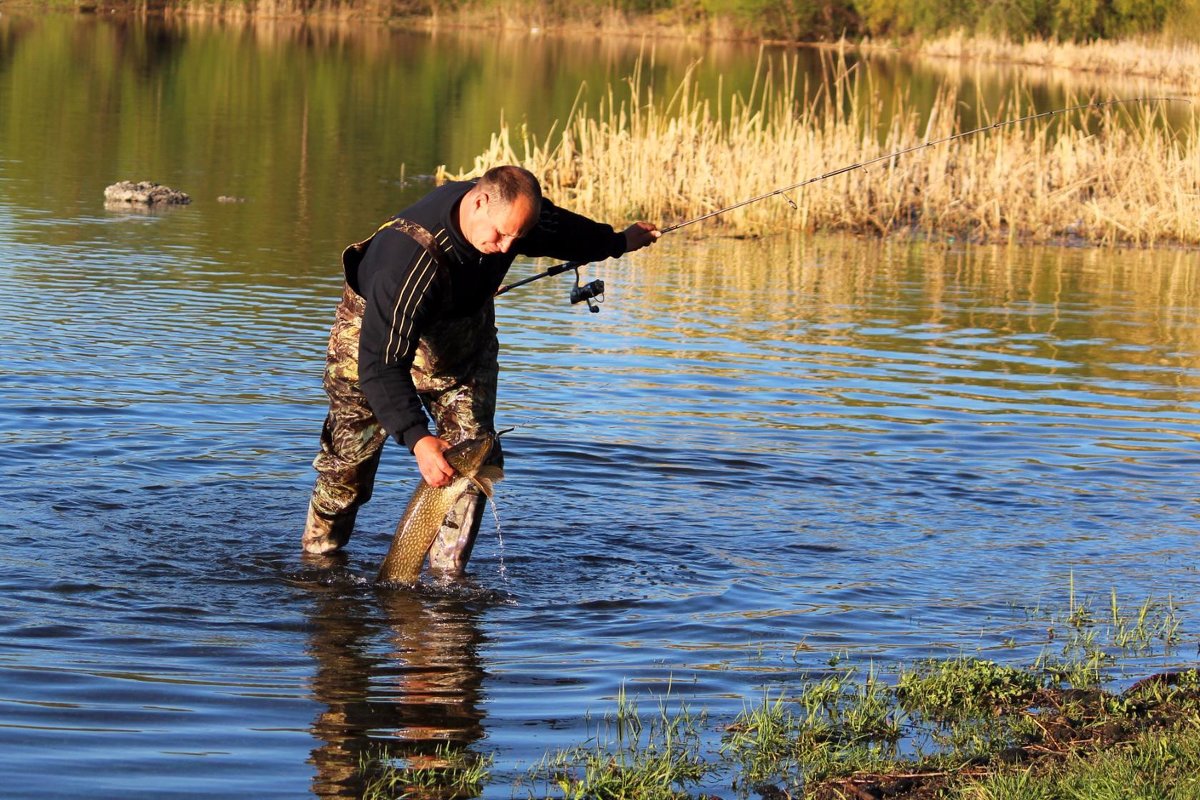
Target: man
x,y
415,333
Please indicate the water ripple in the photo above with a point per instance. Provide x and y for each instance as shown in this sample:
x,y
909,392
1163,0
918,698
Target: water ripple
x,y
714,495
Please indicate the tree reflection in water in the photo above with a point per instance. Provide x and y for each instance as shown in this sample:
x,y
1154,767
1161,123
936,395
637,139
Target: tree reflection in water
x,y
398,677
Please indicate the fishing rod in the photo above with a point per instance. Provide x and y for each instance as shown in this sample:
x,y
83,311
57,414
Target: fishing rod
x,y
595,289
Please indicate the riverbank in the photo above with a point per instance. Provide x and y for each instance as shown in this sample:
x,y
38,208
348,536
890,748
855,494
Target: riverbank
x,y
1063,20
963,727
1008,740
1101,173
1169,60
1165,65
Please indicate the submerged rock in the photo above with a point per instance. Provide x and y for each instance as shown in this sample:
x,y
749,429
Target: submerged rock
x,y
144,193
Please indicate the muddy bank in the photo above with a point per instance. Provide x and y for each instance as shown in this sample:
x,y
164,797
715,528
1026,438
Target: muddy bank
x,y
1052,727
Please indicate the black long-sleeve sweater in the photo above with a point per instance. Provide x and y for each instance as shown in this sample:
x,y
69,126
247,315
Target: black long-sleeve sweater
x,y
405,292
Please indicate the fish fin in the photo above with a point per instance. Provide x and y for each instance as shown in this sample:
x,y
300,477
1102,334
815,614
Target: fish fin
x,y
491,472
486,477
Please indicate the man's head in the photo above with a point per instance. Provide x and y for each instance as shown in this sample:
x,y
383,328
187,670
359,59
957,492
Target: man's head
x,y
500,208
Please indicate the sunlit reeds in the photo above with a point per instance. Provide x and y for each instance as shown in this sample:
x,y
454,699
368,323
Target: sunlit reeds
x,y
1175,64
1115,174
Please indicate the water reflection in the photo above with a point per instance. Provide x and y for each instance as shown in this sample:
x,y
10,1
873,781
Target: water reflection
x,y
328,129
884,450
399,678
898,296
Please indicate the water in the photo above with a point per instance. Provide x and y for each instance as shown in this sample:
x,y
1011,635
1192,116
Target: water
x,y
759,455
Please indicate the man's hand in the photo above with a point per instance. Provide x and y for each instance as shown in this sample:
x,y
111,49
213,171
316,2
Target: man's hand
x,y
641,234
433,465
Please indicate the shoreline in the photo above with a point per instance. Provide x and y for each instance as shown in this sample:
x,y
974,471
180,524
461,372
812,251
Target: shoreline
x,y
1169,60
1125,179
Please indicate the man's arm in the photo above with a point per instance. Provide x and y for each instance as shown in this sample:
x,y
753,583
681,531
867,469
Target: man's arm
x,y
401,286
560,233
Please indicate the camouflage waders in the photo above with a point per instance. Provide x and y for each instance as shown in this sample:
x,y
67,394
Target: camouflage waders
x,y
454,370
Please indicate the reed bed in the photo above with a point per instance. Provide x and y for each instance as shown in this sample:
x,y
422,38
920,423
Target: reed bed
x,y
1114,175
1176,65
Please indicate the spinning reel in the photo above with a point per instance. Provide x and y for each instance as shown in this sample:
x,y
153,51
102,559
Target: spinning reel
x,y
591,293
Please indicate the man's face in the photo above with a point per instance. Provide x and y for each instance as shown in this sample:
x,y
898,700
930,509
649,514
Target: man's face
x,y
499,225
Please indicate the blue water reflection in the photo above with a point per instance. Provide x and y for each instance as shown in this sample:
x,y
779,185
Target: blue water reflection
x,y
759,455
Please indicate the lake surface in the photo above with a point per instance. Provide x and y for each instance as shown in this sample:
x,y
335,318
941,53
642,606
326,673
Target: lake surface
x,y
758,456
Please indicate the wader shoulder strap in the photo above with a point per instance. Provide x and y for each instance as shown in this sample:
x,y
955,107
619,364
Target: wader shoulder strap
x,y
352,256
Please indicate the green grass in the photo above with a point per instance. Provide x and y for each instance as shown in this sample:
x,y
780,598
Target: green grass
x,y
1161,764
960,687
1090,641
449,772
965,728
836,723
655,758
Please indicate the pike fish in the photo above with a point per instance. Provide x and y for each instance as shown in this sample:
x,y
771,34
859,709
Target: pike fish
x,y
429,506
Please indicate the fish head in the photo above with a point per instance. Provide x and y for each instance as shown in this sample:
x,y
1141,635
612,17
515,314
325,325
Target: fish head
x,y
468,457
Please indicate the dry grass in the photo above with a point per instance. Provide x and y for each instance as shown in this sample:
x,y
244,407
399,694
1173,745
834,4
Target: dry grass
x,y
1118,174
1176,65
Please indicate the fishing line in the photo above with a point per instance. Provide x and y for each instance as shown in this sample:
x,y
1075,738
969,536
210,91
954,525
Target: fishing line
x,y
595,289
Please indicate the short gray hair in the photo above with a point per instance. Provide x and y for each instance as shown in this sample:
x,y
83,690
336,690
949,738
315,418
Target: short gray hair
x,y
509,182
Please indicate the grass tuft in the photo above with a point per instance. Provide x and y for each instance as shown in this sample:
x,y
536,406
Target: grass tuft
x,y
833,724
961,687
448,772
656,758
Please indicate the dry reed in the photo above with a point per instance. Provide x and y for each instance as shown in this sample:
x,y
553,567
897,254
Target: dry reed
x,y
1131,178
1176,65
